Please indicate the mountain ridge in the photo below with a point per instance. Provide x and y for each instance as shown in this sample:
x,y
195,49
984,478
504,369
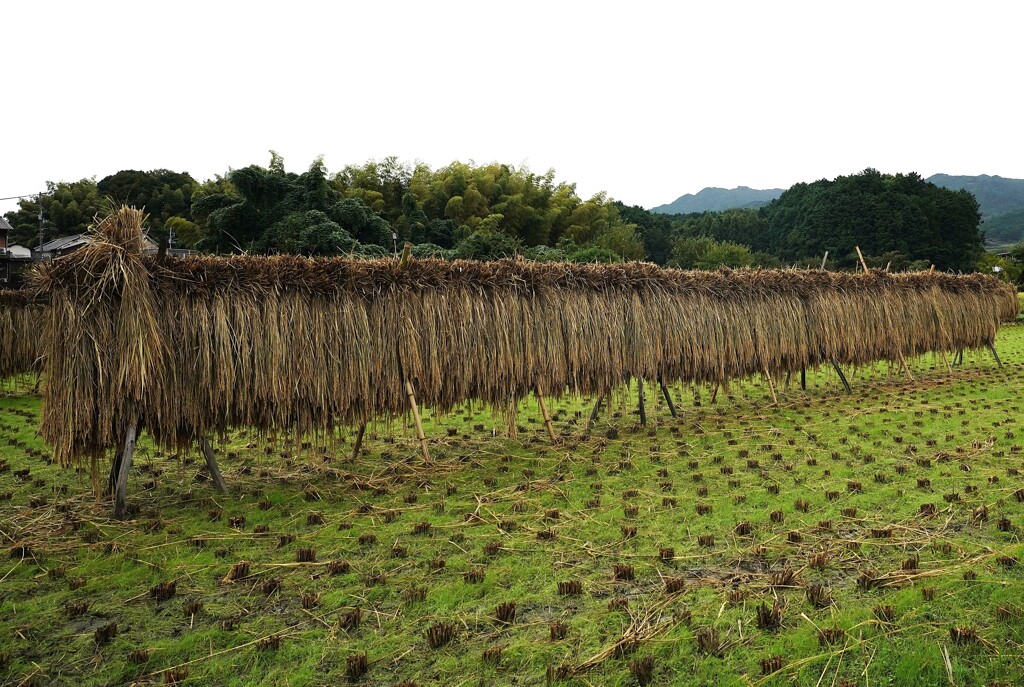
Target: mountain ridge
x,y
715,199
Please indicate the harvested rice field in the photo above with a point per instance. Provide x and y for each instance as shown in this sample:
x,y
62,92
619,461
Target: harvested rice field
x,y
864,539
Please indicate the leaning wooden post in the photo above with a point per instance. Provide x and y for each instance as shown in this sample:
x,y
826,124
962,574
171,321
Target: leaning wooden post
x,y
121,483
668,396
211,465
714,394
771,386
641,406
903,361
999,363
842,377
359,440
416,418
544,413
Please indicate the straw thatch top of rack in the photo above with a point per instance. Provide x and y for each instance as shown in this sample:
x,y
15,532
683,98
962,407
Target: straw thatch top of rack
x,y
197,345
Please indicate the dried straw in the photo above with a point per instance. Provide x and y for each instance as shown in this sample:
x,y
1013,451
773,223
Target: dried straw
x,y
21,319
197,345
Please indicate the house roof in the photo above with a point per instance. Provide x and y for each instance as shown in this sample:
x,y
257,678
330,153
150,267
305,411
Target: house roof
x,y
5,225
16,251
64,242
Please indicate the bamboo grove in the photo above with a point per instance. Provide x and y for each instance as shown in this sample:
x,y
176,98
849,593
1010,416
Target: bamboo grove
x,y
190,347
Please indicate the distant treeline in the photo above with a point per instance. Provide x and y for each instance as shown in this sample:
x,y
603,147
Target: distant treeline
x,y
495,210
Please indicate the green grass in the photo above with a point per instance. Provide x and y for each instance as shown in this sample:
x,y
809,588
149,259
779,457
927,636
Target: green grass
x,y
959,432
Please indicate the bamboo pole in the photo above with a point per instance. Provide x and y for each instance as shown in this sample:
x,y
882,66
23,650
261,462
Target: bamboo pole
x,y
842,377
999,363
771,386
211,465
597,410
513,431
668,396
121,486
544,413
641,406
359,441
824,260
416,418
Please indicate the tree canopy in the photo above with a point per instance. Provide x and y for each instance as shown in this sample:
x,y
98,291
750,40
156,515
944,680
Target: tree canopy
x,y
496,210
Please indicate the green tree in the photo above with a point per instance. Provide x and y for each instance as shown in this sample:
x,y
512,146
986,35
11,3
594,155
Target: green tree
x,y
68,208
160,192
704,253
901,215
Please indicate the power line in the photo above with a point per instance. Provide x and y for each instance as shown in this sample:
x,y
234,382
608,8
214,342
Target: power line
x,y
25,195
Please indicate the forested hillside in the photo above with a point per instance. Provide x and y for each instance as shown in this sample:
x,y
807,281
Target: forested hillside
x,y
489,211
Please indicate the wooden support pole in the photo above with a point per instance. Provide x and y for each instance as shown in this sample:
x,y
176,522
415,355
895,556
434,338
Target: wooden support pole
x,y
641,406
121,482
597,409
824,260
842,377
512,430
903,361
416,418
959,359
544,413
211,465
771,386
803,379
668,396
949,368
995,355
714,394
862,263
359,441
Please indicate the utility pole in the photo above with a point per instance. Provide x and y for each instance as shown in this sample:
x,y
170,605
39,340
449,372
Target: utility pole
x,y
39,199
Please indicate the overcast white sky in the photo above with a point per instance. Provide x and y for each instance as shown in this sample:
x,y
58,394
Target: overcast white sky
x,y
644,100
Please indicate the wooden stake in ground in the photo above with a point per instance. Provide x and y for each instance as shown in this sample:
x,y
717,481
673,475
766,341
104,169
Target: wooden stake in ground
x,y
842,377
771,386
667,395
121,482
416,418
803,379
995,355
544,413
359,440
903,361
512,430
597,409
211,465
824,260
641,406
